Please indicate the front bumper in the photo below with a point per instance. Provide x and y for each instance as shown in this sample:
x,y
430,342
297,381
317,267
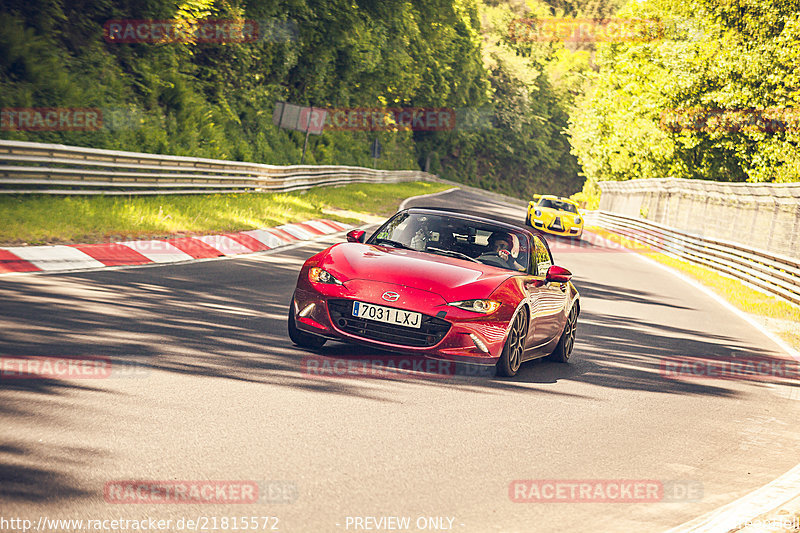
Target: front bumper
x,y
572,230
447,332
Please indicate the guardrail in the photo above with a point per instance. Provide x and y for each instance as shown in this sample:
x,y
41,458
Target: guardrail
x,y
763,215
27,167
769,271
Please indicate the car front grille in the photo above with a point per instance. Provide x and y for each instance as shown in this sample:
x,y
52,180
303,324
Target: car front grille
x,y
557,224
431,330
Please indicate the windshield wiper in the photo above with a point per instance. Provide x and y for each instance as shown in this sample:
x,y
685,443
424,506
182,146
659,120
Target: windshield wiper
x,y
395,244
451,253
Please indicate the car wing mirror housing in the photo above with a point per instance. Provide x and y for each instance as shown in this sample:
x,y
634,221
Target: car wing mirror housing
x,y
356,235
558,274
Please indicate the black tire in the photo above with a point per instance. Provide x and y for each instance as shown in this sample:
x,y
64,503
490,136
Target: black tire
x,y
528,220
301,338
567,341
511,358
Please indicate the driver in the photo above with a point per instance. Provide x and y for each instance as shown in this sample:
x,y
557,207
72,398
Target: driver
x,y
505,246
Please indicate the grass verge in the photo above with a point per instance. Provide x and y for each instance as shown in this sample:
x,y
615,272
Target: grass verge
x,y
779,316
45,219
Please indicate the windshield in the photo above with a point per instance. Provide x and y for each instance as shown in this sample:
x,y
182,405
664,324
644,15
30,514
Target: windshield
x,y
558,204
456,237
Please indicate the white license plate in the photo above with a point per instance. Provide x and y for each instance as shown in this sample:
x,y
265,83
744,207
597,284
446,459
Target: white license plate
x,y
387,314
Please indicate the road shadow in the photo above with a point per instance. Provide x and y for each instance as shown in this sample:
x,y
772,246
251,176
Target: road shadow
x,y
226,319
590,289
23,476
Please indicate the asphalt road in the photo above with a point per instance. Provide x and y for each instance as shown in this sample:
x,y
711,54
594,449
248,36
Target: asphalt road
x,y
219,393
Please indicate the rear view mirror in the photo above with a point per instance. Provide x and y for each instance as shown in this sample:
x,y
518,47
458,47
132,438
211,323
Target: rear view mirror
x,y
558,274
356,235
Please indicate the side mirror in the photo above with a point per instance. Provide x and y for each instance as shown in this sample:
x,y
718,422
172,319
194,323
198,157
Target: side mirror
x,y
356,235
558,274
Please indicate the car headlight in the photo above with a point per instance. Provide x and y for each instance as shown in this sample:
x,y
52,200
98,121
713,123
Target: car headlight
x,y
478,306
537,213
578,220
319,275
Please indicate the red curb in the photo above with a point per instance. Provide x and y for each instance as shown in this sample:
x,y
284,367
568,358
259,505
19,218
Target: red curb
x,y
282,235
118,254
197,249
310,229
248,242
11,263
113,254
332,224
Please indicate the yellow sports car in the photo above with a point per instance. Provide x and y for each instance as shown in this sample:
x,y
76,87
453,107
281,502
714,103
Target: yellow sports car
x,y
552,214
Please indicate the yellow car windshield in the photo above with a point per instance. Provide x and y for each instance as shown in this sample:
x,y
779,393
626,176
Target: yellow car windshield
x,y
559,205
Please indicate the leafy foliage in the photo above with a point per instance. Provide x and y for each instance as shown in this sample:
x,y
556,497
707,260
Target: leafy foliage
x,y
216,100
720,65
525,151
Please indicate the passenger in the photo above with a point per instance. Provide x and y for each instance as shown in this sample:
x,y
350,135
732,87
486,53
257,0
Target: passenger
x,y
421,233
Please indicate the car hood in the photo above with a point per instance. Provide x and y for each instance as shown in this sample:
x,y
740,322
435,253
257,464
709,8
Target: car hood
x,y
452,279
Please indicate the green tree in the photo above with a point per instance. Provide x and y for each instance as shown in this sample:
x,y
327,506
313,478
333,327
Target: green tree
x,y
719,66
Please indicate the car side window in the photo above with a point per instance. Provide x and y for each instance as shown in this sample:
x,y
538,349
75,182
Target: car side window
x,y
541,257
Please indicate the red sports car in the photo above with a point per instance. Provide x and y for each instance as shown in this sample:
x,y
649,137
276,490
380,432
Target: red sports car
x,y
441,284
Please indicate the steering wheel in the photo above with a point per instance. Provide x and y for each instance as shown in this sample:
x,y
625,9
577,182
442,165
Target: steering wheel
x,y
493,259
